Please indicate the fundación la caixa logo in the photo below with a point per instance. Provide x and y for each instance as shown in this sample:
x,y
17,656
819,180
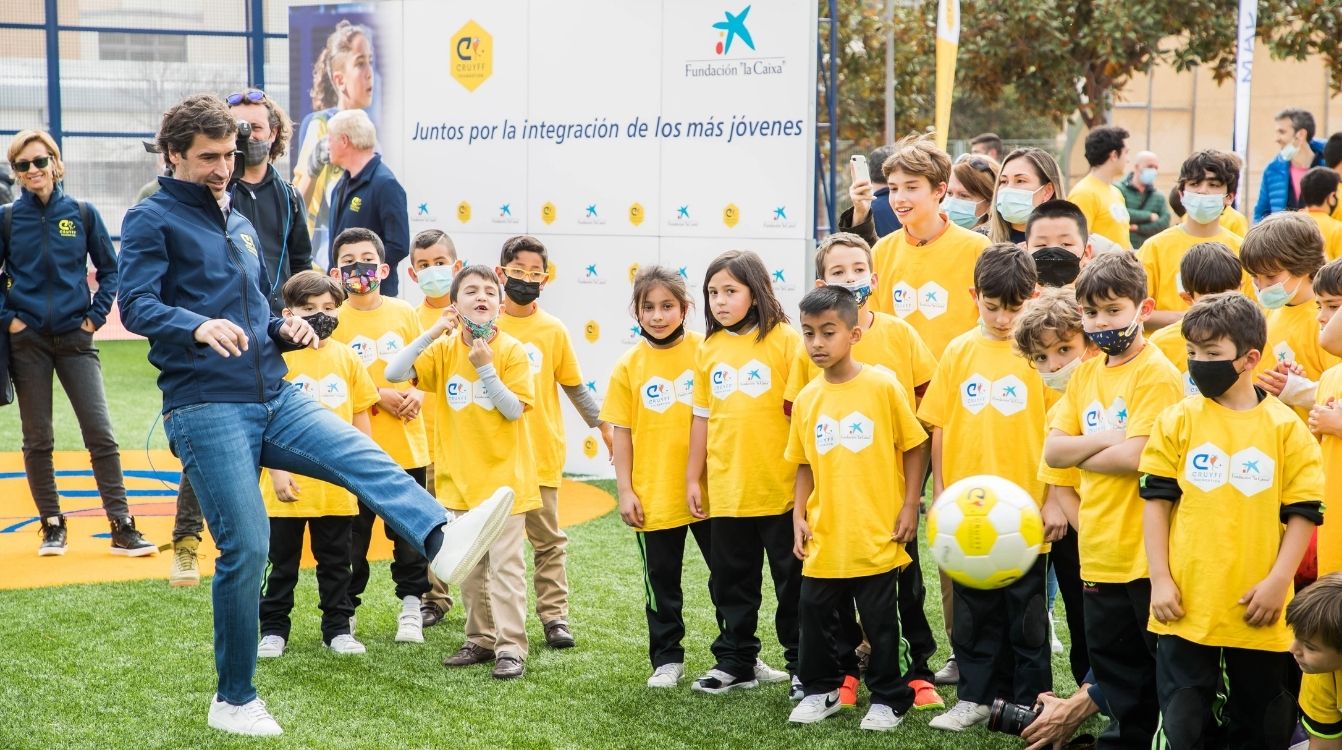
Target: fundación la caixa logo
x,y
472,55
733,33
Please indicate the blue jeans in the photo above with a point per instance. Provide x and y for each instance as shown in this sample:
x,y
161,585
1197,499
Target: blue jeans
x,y
221,446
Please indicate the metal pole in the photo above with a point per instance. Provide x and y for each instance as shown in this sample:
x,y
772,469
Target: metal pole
x,y
889,71
53,72
831,90
256,41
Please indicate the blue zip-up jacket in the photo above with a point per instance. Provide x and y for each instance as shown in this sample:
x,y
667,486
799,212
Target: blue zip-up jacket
x,y
182,265
47,258
1274,194
373,200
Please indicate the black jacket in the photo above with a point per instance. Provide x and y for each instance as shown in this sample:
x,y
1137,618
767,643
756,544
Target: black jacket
x,y
374,200
276,212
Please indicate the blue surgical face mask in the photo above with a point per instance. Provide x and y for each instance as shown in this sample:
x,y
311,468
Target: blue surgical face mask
x,y
1275,297
1204,208
1115,341
861,289
1015,204
435,281
964,213
1288,151
1148,176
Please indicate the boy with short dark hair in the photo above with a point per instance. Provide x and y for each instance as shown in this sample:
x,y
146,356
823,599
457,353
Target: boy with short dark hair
x,y
1101,426
1056,236
1221,475
1316,617
854,438
1207,268
1319,200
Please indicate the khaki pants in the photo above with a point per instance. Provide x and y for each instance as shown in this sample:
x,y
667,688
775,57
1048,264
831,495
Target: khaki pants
x,y
551,548
495,595
438,593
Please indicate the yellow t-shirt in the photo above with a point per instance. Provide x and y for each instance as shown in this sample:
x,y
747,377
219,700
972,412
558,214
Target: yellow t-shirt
x,y
651,393
1330,533
1321,704
854,436
375,335
1234,221
1293,336
1337,212
1332,233
890,344
928,285
334,376
427,317
738,386
1236,469
1161,255
1069,477
553,363
1170,341
1106,211
1128,397
488,451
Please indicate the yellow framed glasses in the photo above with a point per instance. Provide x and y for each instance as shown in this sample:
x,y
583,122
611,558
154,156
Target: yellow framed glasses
x,y
523,274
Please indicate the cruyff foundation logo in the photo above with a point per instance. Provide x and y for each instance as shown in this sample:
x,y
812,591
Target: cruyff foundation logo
x,y
472,55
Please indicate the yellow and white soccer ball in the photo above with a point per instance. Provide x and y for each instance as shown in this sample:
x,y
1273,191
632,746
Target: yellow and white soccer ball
x,y
985,531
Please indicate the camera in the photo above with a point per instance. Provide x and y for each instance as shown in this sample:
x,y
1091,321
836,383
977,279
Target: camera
x,y
1010,718
240,154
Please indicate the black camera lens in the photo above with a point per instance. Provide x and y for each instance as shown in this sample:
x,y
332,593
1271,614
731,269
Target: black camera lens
x,y
1010,718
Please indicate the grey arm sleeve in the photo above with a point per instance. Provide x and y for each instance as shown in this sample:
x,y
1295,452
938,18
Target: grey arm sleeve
x,y
585,403
401,366
504,400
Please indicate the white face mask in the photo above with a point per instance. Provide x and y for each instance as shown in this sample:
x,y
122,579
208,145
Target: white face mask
x,y
1288,151
1057,380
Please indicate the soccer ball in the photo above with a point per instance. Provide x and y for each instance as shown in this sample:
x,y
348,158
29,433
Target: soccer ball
x,y
984,531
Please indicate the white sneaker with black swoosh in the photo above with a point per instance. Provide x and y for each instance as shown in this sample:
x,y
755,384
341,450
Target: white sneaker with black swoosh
x,y
813,708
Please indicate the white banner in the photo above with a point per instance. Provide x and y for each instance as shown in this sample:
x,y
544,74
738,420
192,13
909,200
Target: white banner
x,y
1248,24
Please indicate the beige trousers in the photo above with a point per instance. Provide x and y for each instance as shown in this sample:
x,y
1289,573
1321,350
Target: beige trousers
x,y
495,595
438,593
551,557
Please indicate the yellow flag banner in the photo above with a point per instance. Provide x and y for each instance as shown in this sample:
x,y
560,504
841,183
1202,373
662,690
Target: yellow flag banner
x,y
948,43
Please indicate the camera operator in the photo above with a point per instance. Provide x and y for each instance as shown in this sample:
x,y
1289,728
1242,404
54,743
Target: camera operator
x,y
1059,718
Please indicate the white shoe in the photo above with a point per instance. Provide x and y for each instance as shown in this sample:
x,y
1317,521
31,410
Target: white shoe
x,y
813,708
667,675
963,715
949,674
270,647
345,645
717,682
881,718
251,719
410,624
467,538
766,674
1056,644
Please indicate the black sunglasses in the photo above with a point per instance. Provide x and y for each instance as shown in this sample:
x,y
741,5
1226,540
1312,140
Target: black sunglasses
x,y
254,96
975,162
40,162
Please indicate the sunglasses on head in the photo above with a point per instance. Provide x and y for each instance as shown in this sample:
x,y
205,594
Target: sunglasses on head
x,y
40,162
975,162
252,96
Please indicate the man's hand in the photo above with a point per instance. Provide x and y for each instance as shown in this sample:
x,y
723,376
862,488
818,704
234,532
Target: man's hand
x,y
1264,602
412,401
390,400
16,325
1166,601
223,336
87,326
299,331
861,194
1058,719
285,488
480,354
801,534
631,509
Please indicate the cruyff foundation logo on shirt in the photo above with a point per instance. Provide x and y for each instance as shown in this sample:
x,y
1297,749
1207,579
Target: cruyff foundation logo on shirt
x,y
658,394
1008,395
826,434
931,299
66,227
1207,467
1096,418
460,392
856,431
1250,471
366,348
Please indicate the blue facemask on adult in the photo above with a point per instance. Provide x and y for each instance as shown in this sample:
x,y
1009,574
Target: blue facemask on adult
x,y
963,213
1148,176
1015,204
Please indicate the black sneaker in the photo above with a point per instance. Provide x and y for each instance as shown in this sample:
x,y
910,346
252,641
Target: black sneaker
x,y
128,541
557,635
53,536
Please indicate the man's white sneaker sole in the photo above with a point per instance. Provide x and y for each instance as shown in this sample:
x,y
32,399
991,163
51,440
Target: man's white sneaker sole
x,y
470,536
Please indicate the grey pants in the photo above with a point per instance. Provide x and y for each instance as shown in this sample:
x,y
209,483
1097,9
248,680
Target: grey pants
x,y
190,521
34,357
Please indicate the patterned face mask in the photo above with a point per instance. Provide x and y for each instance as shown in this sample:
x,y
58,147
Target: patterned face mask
x,y
480,330
360,278
322,324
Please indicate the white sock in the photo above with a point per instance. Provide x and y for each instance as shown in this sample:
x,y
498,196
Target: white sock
x,y
410,604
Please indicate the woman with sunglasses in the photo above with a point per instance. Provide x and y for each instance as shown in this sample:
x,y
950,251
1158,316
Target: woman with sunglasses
x,y
49,313
969,192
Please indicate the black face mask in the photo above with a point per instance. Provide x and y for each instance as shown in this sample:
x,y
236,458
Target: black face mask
x,y
1213,377
752,316
672,336
1057,266
322,324
522,292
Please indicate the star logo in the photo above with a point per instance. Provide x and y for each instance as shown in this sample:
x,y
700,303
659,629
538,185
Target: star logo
x,y
778,276
930,297
855,428
591,270
731,29
1251,467
684,272
506,209
1010,390
754,374
780,213
591,385
683,212
591,211
424,209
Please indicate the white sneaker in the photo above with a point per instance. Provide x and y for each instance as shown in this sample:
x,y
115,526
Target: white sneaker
x,y
410,624
467,538
667,675
813,708
881,718
767,674
949,674
270,647
717,682
345,645
251,719
1056,644
963,715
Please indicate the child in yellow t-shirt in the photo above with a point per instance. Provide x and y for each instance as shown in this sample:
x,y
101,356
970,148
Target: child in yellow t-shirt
x,y
1315,615
1319,200
738,434
1095,194
333,375
376,327
523,268
927,266
1207,268
986,408
485,384
649,402
1325,420
1283,253
1101,425
857,443
1222,474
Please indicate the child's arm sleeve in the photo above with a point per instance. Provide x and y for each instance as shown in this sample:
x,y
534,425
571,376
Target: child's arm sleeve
x,y
401,366
1159,464
619,398
1303,474
504,400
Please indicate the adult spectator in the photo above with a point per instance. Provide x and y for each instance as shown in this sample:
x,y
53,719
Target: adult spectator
x,y
1059,718
987,144
1318,198
871,216
1101,202
367,195
969,192
1148,214
1029,176
46,241
1279,189
272,205
193,284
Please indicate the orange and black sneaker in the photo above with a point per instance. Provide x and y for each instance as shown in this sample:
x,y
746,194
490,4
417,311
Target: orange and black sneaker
x,y
848,692
925,697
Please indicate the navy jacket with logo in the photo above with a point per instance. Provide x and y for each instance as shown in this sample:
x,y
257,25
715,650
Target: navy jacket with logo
x,y
47,261
374,200
183,264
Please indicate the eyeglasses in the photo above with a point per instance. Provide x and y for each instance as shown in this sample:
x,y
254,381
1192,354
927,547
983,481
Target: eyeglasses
x,y
522,274
253,96
40,162
975,162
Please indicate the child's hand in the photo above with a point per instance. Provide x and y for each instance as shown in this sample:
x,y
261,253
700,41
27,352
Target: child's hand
x,y
1272,381
1167,604
480,354
1264,602
285,488
446,323
694,498
906,525
1326,418
1288,367
801,534
631,509
412,401
391,400
1055,522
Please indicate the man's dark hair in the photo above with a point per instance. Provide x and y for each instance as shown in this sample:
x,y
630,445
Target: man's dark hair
x,y
1332,151
835,298
1112,276
1317,186
1300,120
358,234
1058,209
1006,273
1218,164
202,113
1103,141
1328,280
523,243
1227,315
1210,268
874,162
992,140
